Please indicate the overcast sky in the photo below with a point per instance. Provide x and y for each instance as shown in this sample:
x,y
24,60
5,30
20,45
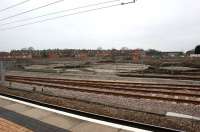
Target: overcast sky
x,y
161,24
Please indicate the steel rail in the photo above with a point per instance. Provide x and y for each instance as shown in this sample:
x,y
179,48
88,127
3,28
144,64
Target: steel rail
x,y
180,77
116,83
141,89
80,100
107,92
195,88
95,116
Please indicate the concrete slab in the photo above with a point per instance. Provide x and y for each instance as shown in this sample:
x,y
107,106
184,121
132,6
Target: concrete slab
x,y
92,127
19,108
8,126
27,122
62,121
37,119
37,113
4,102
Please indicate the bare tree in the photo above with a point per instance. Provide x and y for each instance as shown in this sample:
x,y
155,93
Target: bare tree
x,y
124,48
30,48
99,48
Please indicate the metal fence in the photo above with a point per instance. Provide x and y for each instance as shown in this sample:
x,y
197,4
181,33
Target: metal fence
x,y
2,72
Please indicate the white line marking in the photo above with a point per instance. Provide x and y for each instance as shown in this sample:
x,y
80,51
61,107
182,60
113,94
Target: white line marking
x,y
77,117
182,116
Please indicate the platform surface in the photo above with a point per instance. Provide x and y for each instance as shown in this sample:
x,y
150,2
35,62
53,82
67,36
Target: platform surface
x,y
27,118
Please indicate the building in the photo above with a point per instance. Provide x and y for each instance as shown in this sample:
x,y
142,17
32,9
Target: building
x,y
172,54
138,55
82,56
188,53
194,53
4,55
52,55
103,53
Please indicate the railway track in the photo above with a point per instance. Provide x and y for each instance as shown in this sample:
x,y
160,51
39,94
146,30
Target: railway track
x,y
133,90
117,85
158,90
179,77
112,83
100,117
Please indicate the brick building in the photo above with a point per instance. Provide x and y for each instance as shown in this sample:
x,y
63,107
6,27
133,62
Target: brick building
x,y
138,55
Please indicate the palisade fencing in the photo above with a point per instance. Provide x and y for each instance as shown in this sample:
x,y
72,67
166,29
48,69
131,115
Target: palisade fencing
x,y
2,72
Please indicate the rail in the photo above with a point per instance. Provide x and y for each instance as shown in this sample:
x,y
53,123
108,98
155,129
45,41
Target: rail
x,y
95,116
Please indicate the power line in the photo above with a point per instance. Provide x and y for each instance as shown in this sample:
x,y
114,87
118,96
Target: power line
x,y
15,5
59,17
37,8
58,12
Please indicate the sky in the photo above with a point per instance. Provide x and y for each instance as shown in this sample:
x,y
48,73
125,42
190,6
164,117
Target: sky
x,y
167,25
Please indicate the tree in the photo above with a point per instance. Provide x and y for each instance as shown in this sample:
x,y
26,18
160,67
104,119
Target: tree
x,y
44,53
197,49
99,48
30,48
153,52
24,49
124,48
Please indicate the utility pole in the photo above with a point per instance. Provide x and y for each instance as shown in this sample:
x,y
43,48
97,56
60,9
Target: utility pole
x,y
2,73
